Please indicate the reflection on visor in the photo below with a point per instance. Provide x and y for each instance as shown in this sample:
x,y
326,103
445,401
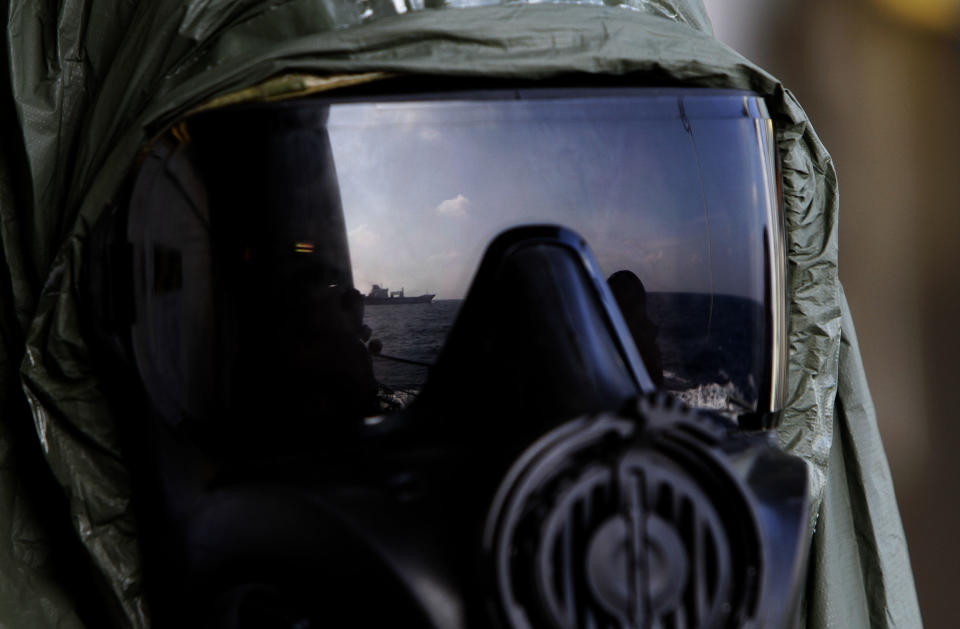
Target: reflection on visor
x,y
330,244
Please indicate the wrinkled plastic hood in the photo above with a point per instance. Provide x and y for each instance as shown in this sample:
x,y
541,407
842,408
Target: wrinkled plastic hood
x,y
88,84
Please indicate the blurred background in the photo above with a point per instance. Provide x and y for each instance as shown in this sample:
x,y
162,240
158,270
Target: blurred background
x,y
880,80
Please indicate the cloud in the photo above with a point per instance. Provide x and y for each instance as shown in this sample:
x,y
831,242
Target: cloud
x,y
362,237
457,207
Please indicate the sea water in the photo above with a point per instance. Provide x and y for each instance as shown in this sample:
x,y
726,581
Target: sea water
x,y
711,349
412,332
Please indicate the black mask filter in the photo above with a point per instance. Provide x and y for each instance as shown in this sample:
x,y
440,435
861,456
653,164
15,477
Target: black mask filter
x,y
536,480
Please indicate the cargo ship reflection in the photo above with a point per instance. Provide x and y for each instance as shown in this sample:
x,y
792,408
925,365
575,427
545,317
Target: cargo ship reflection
x,y
384,297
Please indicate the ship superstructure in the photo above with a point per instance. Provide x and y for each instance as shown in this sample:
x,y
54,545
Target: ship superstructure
x,y
382,296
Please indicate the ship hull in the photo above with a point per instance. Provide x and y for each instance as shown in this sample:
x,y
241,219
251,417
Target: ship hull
x,y
397,301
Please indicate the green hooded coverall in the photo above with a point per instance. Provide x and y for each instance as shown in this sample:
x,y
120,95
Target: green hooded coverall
x,y
87,85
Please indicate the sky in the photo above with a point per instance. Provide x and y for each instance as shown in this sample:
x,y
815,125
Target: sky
x,y
426,186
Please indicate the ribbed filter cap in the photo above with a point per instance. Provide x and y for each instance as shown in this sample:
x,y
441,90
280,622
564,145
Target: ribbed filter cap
x,y
597,528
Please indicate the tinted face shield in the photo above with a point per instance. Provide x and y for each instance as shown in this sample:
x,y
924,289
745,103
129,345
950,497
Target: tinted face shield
x,y
676,197
403,306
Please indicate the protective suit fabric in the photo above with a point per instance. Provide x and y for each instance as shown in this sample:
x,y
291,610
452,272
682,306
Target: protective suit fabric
x,y
859,545
92,83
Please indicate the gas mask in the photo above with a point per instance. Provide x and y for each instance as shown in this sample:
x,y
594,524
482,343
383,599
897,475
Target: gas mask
x,y
467,359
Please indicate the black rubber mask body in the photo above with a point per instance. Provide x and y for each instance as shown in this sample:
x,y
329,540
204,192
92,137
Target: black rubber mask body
x,y
450,512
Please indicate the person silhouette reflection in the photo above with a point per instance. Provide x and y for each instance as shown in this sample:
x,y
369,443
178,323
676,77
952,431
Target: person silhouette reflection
x,y
631,296
310,352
